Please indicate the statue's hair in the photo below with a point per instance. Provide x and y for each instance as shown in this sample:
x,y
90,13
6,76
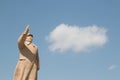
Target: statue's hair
x,y
29,34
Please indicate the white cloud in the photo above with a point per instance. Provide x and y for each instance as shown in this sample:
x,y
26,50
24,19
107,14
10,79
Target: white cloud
x,y
65,37
112,67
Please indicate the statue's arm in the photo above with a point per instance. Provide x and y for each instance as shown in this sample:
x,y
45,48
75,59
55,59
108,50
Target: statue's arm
x,y
22,37
38,61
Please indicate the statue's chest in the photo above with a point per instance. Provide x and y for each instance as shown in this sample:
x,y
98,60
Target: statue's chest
x,y
32,49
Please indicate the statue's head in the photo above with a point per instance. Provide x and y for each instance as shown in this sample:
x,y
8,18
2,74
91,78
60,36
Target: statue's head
x,y
29,37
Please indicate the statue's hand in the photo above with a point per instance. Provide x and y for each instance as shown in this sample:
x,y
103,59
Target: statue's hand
x,y
26,29
38,68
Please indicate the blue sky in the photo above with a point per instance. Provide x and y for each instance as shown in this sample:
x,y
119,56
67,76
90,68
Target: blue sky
x,y
53,23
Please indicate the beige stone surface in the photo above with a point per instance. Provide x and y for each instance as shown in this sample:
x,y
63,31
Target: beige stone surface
x,y
28,63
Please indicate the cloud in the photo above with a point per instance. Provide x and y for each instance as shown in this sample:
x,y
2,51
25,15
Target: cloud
x,y
66,37
112,67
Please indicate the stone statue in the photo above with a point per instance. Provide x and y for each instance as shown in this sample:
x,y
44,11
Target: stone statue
x,y
28,63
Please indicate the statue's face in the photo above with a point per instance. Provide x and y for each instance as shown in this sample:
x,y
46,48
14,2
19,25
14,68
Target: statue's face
x,y
29,38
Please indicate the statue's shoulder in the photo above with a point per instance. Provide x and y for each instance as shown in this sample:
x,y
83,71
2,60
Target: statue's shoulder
x,y
34,45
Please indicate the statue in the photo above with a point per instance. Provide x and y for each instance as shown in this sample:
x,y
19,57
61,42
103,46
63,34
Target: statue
x,y
28,63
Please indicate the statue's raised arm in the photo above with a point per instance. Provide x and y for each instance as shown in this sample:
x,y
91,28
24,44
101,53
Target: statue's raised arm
x,y
22,37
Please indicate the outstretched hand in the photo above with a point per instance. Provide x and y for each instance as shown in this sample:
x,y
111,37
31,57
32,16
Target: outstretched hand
x,y
27,29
